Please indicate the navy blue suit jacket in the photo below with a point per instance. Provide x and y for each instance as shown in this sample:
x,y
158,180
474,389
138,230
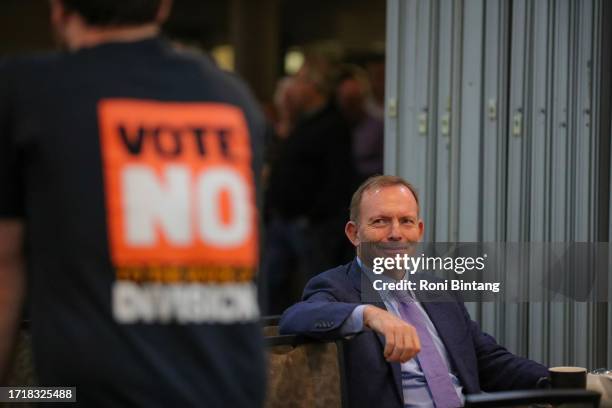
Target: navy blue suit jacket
x,y
480,363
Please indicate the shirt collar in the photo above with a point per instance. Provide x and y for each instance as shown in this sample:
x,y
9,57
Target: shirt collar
x,y
385,294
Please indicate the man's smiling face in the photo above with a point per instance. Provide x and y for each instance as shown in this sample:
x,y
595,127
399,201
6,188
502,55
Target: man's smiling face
x,y
388,215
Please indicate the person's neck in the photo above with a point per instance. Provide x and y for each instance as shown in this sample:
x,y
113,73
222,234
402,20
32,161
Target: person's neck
x,y
314,105
81,36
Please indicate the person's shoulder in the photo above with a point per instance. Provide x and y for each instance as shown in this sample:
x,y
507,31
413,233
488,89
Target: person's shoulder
x,y
41,58
238,86
224,86
22,65
25,72
215,76
337,277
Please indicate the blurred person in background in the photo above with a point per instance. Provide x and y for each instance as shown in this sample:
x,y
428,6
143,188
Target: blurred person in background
x,y
309,185
286,105
351,93
356,103
375,104
282,120
127,192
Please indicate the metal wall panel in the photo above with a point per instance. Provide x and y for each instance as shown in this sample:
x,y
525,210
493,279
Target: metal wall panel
x,y
560,313
499,124
536,135
471,121
412,146
495,60
393,82
516,313
470,126
582,180
442,105
455,102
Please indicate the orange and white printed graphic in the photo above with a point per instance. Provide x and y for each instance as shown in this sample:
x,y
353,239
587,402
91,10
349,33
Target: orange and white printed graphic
x,y
179,185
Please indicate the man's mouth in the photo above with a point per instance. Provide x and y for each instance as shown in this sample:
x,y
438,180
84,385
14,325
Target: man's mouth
x,y
389,249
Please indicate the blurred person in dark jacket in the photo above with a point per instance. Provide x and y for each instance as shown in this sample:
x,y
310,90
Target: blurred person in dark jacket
x,y
282,120
286,105
309,189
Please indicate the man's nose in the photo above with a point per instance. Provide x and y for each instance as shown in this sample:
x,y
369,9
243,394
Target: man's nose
x,y
394,233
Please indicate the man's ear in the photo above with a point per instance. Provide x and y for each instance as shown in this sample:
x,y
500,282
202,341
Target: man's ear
x,y
60,18
165,6
58,12
421,229
352,232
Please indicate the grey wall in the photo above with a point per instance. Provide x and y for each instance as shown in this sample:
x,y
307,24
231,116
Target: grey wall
x,y
498,111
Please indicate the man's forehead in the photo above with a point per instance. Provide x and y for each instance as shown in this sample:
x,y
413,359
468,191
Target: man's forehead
x,y
387,200
399,189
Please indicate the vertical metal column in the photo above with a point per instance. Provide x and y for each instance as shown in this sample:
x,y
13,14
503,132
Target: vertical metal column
x,y
537,131
445,117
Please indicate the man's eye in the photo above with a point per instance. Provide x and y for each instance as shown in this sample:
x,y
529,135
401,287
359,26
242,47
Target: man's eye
x,y
378,221
408,221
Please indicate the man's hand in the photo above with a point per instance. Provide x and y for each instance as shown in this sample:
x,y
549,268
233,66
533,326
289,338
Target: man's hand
x,y
401,339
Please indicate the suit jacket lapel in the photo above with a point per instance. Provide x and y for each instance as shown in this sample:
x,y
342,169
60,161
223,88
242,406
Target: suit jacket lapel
x,y
368,295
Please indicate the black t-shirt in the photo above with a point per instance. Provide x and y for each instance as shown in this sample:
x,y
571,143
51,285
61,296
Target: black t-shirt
x,y
133,166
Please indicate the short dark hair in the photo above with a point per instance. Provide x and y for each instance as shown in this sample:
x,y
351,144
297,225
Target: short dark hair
x,y
114,12
319,73
377,182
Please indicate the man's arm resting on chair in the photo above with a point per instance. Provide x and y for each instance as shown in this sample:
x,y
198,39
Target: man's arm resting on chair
x,y
12,289
320,316
323,318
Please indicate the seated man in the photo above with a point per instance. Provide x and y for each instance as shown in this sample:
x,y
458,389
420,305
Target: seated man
x,y
404,353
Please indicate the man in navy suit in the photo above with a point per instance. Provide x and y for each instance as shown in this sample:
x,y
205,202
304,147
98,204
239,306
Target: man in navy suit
x,y
404,351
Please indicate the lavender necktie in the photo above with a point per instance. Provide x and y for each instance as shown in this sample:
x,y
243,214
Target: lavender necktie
x,y
435,369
